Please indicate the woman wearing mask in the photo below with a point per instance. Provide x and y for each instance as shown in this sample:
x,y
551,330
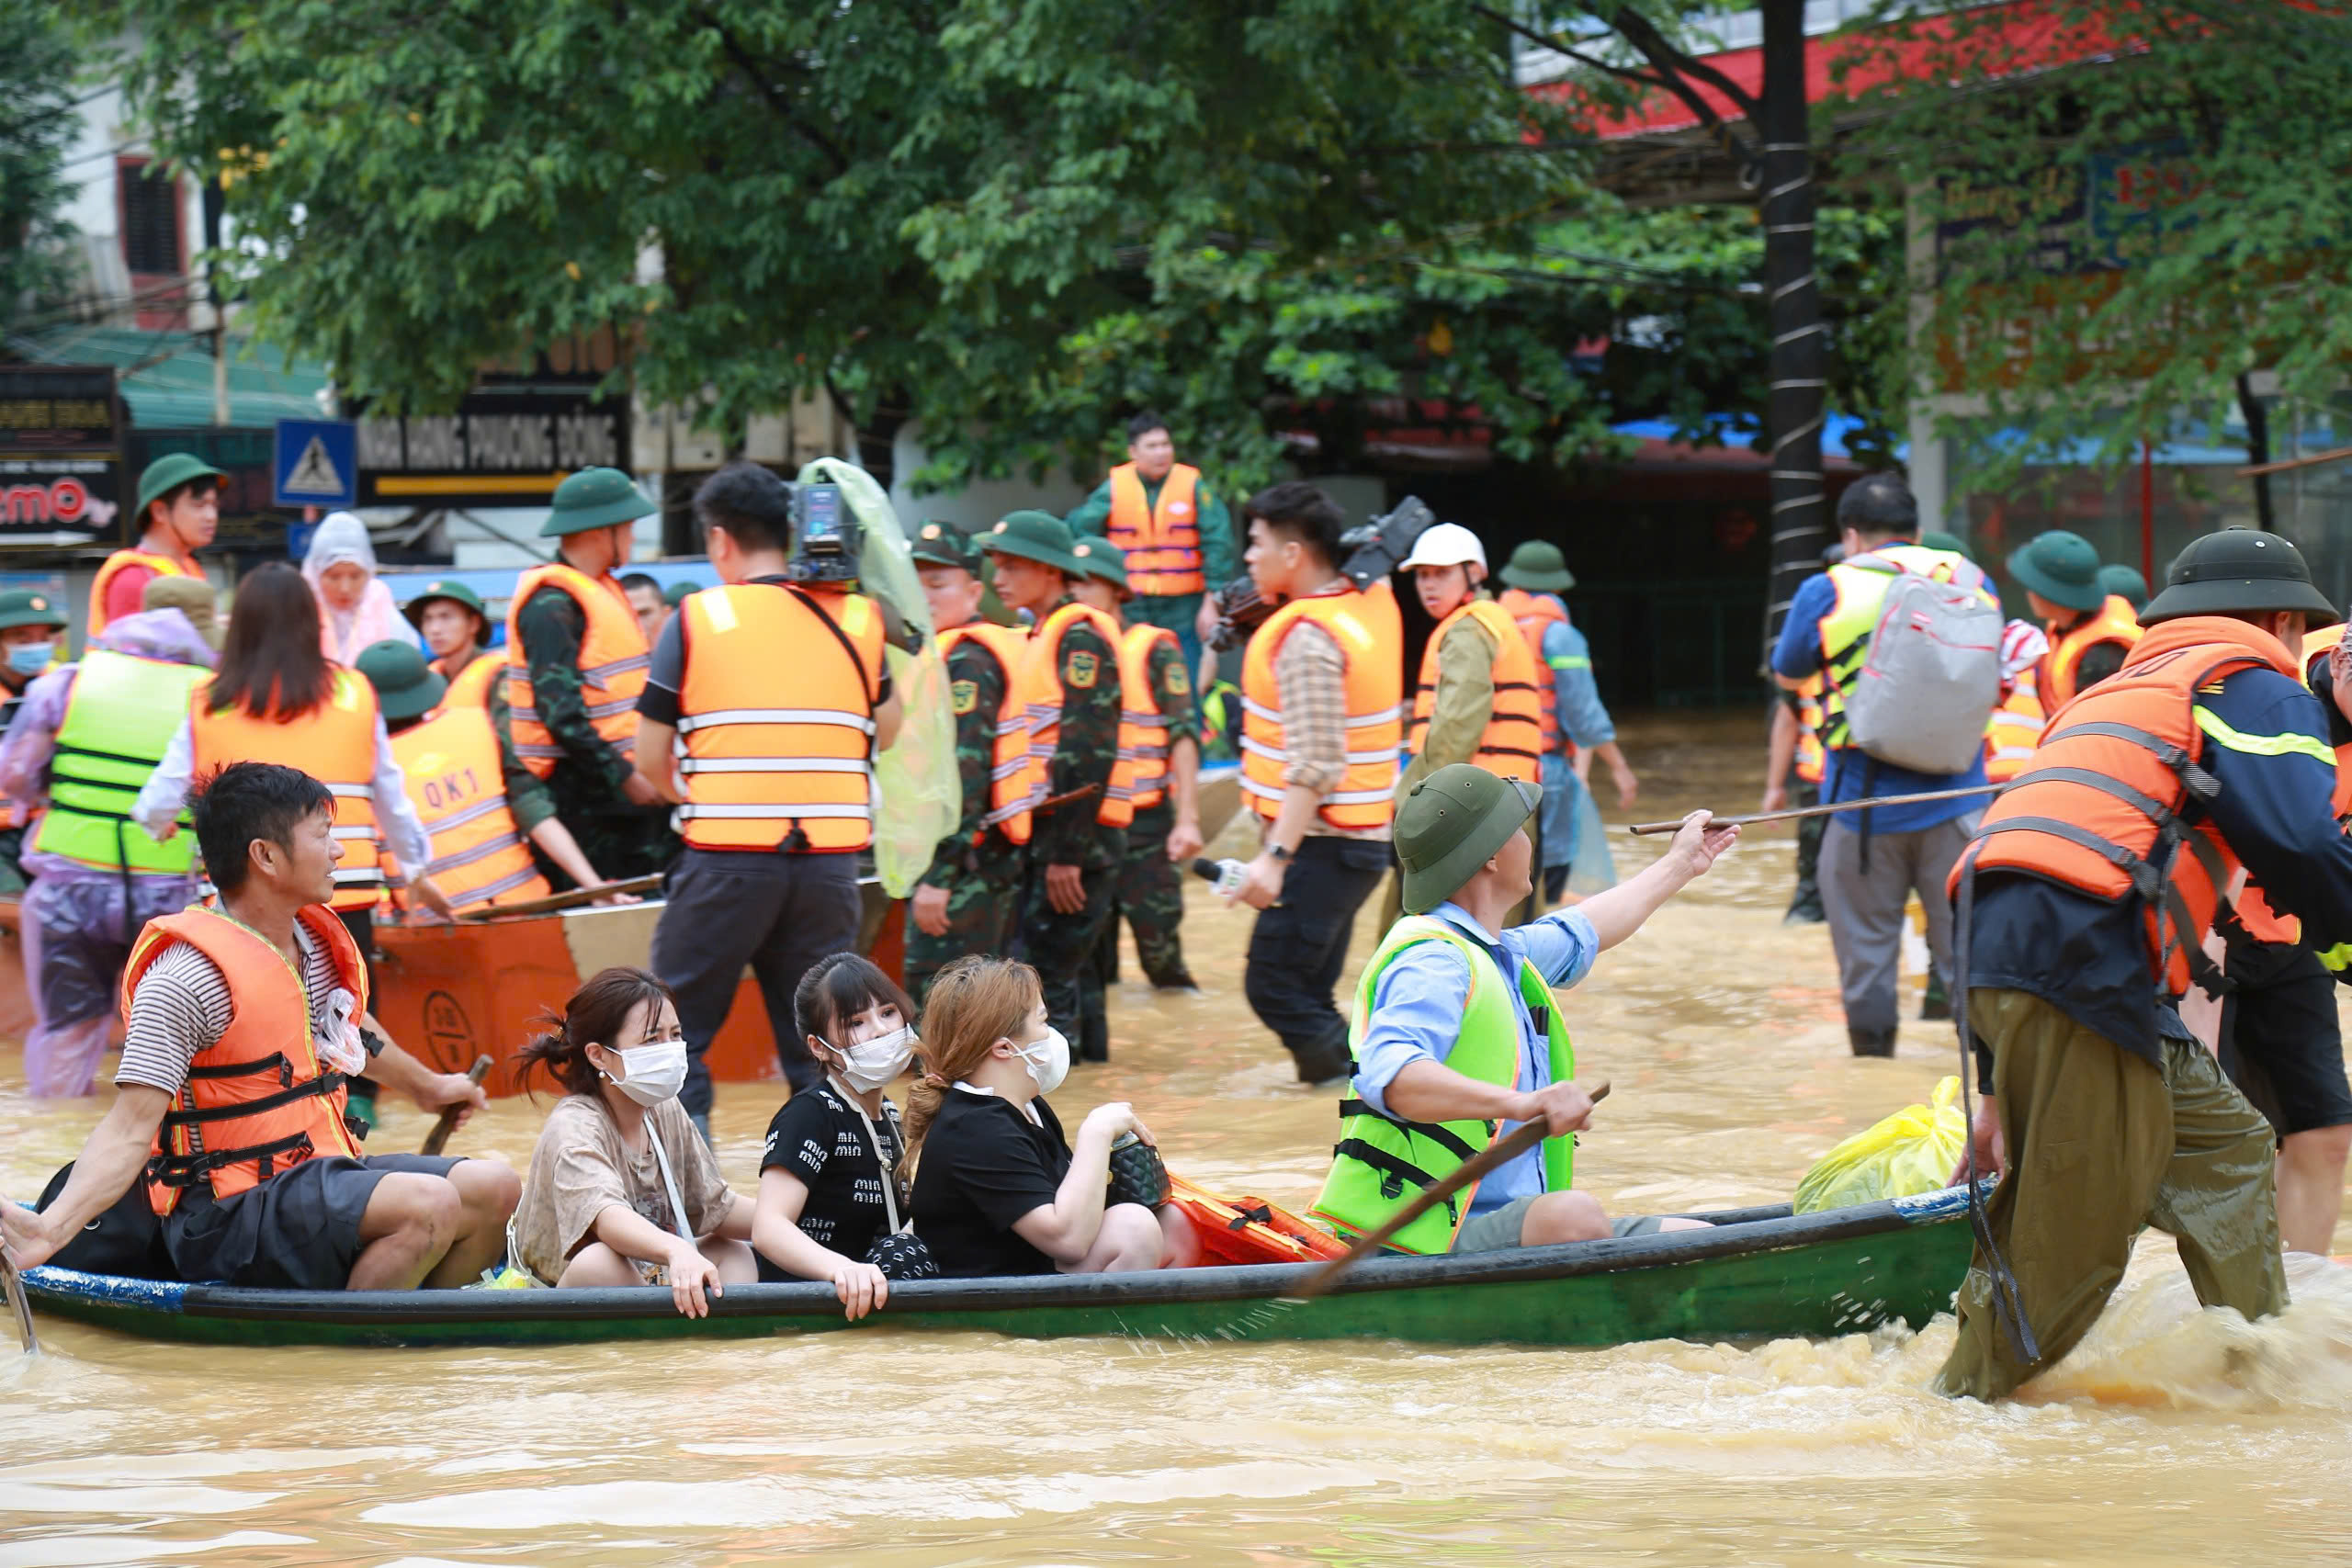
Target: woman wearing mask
x,y
830,1183
622,1189
997,1188
355,609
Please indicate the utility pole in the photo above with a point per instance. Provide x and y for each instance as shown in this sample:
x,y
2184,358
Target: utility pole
x,y
1793,413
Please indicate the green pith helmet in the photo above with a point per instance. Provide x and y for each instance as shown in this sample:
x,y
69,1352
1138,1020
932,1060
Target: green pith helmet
x,y
406,686
167,473
2125,583
943,544
2061,567
1039,536
1951,544
1538,567
30,607
2238,571
1102,558
679,592
440,588
595,498
1451,824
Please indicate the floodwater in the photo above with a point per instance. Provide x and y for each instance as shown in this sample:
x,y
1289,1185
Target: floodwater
x,y
2173,1436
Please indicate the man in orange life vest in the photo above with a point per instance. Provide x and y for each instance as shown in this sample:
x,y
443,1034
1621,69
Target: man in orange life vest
x,y
453,623
1075,847
31,623
239,1027
178,513
2083,902
1322,688
1178,537
576,661
779,696
2089,628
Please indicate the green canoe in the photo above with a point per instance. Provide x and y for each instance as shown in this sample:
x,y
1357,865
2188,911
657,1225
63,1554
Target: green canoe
x,y
1759,1273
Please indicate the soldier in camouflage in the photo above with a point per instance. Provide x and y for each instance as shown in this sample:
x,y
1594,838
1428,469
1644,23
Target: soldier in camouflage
x,y
1166,833
1073,858
969,901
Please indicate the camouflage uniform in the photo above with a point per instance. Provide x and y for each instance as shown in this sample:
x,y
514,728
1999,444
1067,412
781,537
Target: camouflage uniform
x,y
1062,946
980,868
620,839
1149,891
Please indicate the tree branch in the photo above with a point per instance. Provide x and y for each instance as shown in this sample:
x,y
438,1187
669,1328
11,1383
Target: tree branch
x,y
1678,68
1558,46
752,69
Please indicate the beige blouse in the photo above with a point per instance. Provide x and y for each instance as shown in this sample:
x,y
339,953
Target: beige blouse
x,y
580,1169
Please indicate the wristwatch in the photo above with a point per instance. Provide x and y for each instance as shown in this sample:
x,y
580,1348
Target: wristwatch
x,y
1279,853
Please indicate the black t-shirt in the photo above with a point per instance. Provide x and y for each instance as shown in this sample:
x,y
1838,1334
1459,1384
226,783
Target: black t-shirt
x,y
984,1165
818,1137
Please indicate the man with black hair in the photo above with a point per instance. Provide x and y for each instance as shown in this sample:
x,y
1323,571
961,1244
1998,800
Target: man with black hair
x,y
653,607
268,1189
1178,537
1871,861
1322,686
178,513
780,696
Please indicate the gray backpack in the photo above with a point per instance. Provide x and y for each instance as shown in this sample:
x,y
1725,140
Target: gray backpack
x,y
1926,689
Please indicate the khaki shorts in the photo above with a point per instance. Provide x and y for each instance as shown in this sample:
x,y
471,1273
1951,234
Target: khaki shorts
x,y
1499,1228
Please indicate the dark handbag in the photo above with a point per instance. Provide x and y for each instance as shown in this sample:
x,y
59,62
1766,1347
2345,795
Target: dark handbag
x,y
126,1239
1138,1174
901,1255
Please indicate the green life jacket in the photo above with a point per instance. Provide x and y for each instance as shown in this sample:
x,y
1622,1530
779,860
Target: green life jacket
x,y
1381,1163
1845,630
120,719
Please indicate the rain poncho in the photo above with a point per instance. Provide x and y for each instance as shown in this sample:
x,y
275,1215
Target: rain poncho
x,y
343,632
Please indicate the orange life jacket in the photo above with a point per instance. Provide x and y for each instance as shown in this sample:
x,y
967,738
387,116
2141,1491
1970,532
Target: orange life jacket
x,y
1163,542
1514,729
1811,759
162,566
1247,1230
1016,785
2013,730
1118,807
760,776
469,686
2261,921
455,781
1365,795
2101,809
2056,676
335,743
612,662
1142,728
258,1101
1535,613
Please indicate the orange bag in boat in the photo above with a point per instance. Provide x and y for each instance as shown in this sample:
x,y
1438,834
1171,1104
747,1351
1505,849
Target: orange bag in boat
x,y
1249,1230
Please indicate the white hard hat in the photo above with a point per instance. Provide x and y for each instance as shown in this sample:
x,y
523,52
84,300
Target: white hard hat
x,y
1447,544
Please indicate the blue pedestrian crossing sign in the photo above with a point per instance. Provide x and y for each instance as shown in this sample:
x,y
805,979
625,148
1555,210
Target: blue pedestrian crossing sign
x,y
316,463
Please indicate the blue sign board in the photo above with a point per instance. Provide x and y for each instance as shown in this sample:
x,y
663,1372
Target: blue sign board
x,y
316,463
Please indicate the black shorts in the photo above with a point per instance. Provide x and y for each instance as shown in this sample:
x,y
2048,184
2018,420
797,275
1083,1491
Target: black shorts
x,y
297,1231
2280,1042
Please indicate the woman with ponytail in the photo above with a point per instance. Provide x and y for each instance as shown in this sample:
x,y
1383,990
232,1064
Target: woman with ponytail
x,y
997,1188
622,1189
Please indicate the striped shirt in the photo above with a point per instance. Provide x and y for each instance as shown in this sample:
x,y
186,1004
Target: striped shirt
x,y
181,1009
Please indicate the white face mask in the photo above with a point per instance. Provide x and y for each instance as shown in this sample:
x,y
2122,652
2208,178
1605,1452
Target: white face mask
x,y
870,1064
1051,1072
656,1072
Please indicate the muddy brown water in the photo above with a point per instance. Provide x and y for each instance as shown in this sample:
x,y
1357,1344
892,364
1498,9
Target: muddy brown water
x,y
2173,1436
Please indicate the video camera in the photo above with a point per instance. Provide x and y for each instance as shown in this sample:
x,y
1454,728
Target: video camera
x,y
826,538
1376,546
1238,612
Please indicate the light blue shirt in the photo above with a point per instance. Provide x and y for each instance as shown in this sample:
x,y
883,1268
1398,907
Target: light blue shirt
x,y
1569,658
1416,1009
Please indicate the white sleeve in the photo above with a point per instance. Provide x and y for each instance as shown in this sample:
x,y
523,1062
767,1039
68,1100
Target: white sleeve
x,y
159,802
396,815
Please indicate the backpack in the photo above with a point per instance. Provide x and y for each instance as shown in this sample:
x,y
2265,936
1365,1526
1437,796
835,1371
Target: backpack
x,y
1927,689
126,1238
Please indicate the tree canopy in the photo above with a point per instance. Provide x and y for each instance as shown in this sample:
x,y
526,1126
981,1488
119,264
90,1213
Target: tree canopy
x,y
37,124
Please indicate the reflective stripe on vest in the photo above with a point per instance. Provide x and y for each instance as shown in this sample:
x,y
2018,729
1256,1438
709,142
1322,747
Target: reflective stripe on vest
x,y
1381,1162
1142,728
120,715
258,1101
1514,733
1366,630
452,767
2112,804
335,743
763,776
1016,785
612,662
1534,613
1810,756
1163,541
469,687
2013,730
162,566
1861,585
1117,807
2056,677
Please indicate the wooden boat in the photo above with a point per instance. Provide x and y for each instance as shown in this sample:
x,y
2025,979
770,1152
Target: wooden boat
x,y
1759,1273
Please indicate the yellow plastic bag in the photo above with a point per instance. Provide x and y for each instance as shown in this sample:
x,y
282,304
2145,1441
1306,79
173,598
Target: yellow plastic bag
x,y
1912,1151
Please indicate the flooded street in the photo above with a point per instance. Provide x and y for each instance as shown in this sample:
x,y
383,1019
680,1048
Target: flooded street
x,y
2171,1436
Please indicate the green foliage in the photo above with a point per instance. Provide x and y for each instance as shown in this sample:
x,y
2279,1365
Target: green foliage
x,y
37,124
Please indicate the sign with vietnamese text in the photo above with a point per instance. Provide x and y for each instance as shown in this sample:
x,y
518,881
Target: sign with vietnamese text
x,y
61,455
501,448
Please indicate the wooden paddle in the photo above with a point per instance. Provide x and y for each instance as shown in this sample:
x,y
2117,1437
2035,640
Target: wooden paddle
x,y
438,1139
1796,811
555,901
1474,1169
14,1284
